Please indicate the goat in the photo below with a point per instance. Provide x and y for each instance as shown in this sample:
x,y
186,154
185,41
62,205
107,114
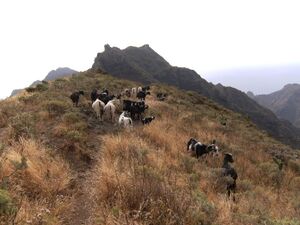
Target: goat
x,y
94,95
142,95
134,108
229,171
127,93
146,88
148,120
125,120
75,97
202,149
98,107
133,92
213,148
161,96
110,109
106,98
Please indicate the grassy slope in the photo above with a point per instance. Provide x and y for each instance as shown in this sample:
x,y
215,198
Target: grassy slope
x,y
142,176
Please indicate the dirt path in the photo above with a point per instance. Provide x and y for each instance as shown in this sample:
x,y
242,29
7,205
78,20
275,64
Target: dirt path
x,y
82,202
83,205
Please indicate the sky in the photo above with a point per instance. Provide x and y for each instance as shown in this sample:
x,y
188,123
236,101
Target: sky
x,y
37,36
259,79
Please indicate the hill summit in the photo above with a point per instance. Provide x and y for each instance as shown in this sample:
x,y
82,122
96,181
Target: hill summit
x,y
144,65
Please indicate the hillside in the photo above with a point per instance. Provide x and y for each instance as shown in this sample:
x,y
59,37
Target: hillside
x,y
285,103
59,165
52,75
145,65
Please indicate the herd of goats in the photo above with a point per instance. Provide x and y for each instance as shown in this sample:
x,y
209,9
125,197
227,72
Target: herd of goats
x,y
105,104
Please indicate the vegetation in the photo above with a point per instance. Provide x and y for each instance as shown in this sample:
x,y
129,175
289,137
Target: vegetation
x,y
59,165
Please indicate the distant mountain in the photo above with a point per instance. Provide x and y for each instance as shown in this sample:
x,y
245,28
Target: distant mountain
x,y
285,103
59,72
52,75
143,64
257,79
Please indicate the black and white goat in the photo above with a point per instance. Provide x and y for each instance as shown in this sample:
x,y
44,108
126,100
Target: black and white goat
x,y
201,149
125,120
75,97
148,120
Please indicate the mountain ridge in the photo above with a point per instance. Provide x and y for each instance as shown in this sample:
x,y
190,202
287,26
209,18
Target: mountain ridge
x,y
285,103
133,63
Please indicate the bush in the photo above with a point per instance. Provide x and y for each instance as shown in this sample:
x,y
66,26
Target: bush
x,y
75,136
72,117
6,204
30,89
22,125
41,87
56,107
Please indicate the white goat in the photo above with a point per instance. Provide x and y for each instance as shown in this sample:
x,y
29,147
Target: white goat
x,y
125,120
98,107
133,92
139,89
110,108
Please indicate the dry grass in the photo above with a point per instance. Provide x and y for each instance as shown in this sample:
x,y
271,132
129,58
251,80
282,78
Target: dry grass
x,y
31,172
145,175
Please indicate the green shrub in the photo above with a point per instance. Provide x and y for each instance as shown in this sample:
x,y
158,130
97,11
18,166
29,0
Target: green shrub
x,y
72,117
22,125
41,87
6,204
207,211
30,89
283,222
56,107
75,136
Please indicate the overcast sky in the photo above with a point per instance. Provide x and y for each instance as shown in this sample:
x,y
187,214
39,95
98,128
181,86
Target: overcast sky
x,y
37,36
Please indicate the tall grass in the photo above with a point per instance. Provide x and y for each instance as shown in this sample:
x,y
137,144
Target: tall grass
x,y
147,177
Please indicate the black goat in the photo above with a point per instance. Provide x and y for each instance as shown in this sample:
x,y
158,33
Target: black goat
x,y
142,95
94,95
146,88
75,97
105,98
161,96
228,170
134,108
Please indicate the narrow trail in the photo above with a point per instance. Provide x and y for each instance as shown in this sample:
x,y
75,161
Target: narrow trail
x,y
82,202
83,205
